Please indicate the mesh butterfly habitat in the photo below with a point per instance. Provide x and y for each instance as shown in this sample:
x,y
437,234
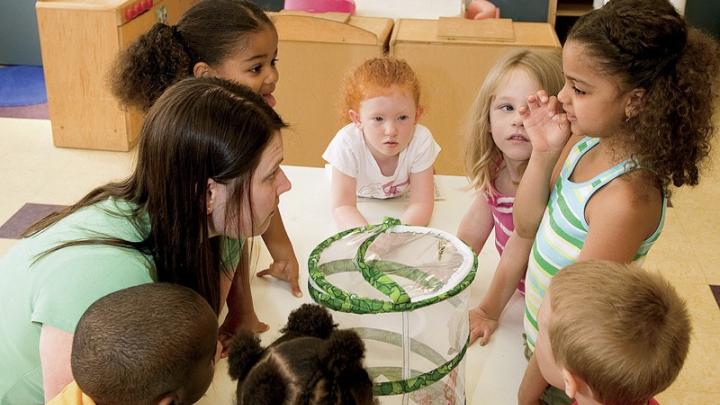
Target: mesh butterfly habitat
x,y
404,290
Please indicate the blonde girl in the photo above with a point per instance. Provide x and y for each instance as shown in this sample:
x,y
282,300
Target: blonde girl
x,y
498,151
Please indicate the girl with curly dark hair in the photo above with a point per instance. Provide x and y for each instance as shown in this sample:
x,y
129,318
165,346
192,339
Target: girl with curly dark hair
x,y
311,363
230,39
640,88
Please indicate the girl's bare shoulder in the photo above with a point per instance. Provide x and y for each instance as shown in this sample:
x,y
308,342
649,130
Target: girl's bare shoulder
x,y
635,198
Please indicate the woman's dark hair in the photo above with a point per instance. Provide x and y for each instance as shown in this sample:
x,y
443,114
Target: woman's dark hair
x,y
646,44
312,363
208,32
199,129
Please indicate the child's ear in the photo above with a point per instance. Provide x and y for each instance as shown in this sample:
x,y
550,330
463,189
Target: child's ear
x,y
354,117
571,383
634,102
418,113
202,69
168,399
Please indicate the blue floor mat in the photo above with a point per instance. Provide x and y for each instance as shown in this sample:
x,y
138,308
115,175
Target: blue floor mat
x,y
22,85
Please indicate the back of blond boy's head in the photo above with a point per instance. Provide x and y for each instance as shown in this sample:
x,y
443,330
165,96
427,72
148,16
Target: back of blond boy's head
x,y
621,329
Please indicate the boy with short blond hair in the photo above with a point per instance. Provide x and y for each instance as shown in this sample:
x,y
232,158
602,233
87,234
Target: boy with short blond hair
x,y
616,345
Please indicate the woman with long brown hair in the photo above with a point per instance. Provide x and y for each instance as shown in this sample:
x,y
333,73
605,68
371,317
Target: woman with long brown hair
x,y
207,177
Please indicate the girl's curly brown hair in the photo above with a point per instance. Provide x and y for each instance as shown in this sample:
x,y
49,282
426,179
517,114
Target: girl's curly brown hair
x,y
208,32
646,44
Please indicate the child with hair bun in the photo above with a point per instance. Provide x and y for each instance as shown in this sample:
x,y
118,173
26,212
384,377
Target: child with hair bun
x,y
313,363
233,40
383,152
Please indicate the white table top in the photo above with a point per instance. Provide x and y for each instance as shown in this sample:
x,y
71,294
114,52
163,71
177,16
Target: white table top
x,y
493,372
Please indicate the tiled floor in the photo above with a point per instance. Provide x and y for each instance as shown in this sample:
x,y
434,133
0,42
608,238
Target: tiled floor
x,y
688,252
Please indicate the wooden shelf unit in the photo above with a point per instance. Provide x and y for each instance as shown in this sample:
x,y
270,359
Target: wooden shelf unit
x,y
573,8
567,8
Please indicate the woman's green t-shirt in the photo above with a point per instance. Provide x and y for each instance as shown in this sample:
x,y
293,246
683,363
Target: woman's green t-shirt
x,y
56,289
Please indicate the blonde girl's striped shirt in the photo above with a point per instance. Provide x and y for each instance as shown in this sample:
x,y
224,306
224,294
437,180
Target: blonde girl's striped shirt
x,y
563,230
501,207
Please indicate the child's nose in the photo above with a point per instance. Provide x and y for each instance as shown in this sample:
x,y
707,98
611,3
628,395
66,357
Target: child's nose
x,y
563,95
517,119
390,128
272,77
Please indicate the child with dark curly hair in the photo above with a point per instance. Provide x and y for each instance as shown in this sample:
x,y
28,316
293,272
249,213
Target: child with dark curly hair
x,y
233,40
312,363
640,87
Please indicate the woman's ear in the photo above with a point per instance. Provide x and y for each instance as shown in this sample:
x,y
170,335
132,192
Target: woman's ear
x,y
634,102
354,117
211,195
202,69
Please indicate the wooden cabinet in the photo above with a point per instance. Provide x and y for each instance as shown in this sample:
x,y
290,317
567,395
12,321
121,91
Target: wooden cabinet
x,y
562,14
79,40
571,8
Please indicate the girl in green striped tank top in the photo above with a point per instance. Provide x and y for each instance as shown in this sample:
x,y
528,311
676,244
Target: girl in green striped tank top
x,y
634,116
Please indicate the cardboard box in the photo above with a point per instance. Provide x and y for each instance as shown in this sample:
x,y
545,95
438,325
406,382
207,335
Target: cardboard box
x,y
315,52
79,41
451,57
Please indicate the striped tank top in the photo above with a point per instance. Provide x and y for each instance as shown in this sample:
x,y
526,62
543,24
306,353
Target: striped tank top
x,y
501,207
563,231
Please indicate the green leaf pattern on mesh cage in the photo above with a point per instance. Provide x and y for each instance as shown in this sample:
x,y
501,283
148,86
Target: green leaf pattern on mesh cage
x,y
423,380
417,380
325,293
376,273
374,276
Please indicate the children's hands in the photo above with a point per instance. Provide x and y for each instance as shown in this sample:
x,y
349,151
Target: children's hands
x,y
286,270
545,123
482,325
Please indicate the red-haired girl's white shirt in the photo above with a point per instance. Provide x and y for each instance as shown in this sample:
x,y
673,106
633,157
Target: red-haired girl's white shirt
x,y
349,154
